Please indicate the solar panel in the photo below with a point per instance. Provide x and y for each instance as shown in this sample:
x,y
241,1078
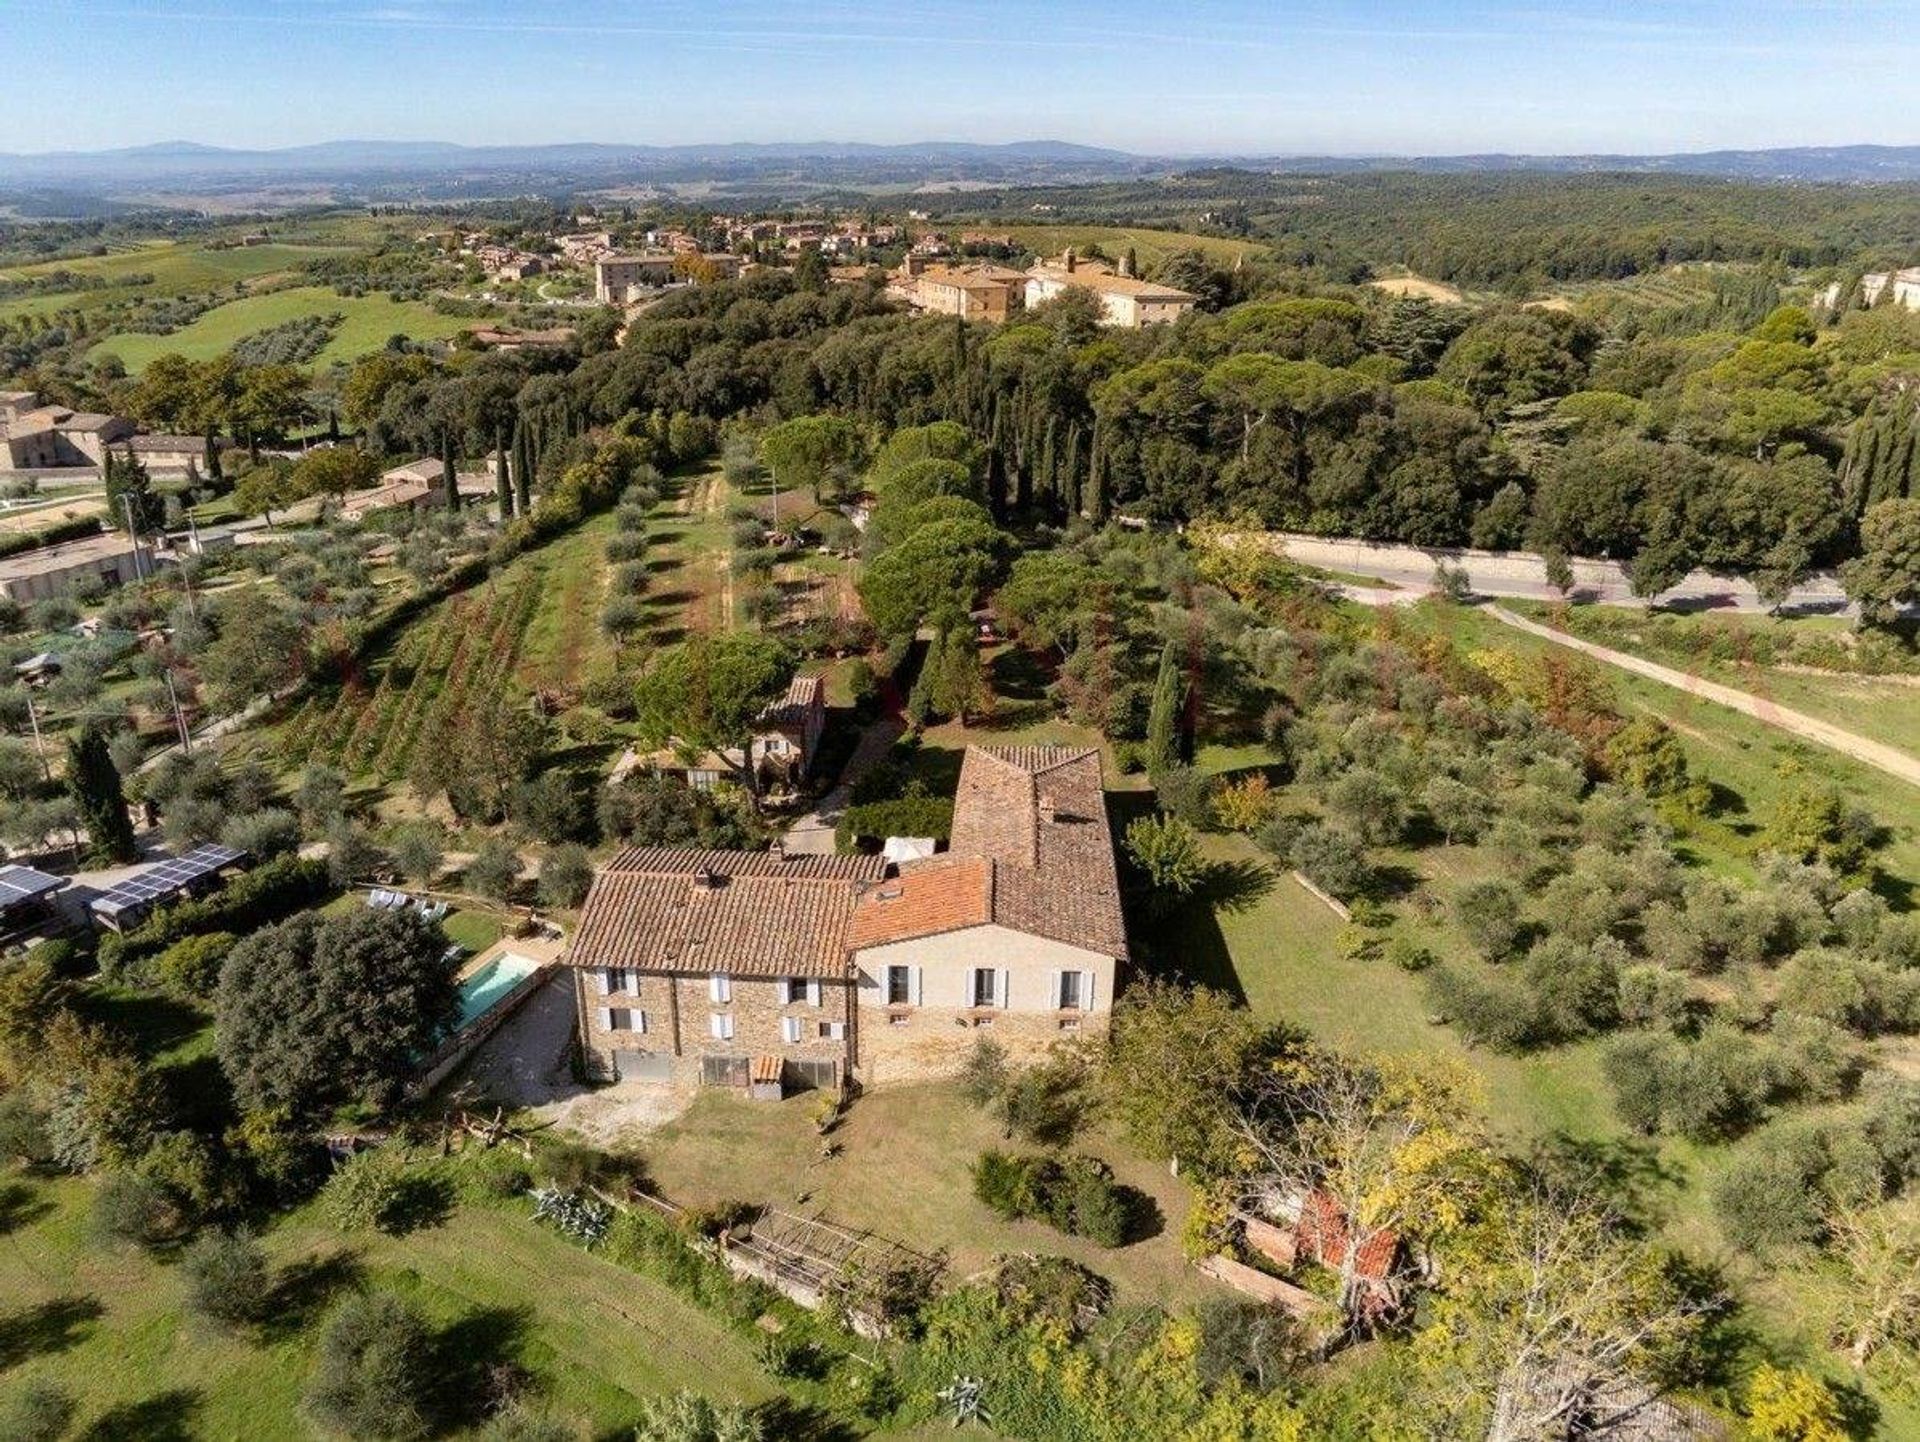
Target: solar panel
x,y
166,878
23,883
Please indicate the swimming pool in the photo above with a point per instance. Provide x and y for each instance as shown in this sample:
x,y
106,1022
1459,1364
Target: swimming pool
x,y
482,991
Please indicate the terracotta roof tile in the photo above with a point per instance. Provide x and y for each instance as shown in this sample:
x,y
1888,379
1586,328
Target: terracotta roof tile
x,y
747,913
945,893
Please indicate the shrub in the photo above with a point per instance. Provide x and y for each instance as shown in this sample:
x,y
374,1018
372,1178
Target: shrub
x,y
686,1417
263,835
1185,794
520,1423
37,1411
226,1277
1076,1195
23,1129
626,546
621,615
249,902
367,1191
374,1372
1243,805
191,966
128,1207
1100,1211
1005,1183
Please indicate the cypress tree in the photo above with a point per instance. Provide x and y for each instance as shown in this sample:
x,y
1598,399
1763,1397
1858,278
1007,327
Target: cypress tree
x,y
449,483
522,469
94,784
502,482
1163,720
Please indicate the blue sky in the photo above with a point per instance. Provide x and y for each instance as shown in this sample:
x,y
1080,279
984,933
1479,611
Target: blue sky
x,y
1165,76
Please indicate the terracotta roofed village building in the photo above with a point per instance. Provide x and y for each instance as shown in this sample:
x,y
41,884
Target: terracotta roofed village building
x,y
704,966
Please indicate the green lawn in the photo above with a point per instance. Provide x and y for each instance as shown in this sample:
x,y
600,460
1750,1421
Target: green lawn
x,y
903,1170
108,1324
369,321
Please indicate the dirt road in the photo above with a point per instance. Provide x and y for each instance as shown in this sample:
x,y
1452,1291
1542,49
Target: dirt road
x,y
1889,759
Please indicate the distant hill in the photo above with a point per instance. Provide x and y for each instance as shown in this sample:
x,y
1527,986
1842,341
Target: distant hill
x,y
401,168
1842,163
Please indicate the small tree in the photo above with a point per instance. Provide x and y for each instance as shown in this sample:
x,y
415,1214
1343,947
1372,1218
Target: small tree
x,y
374,1374
565,874
1164,742
226,1277
1167,851
419,852
494,871
94,784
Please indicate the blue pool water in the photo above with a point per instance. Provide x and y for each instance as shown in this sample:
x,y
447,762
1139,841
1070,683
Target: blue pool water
x,y
480,992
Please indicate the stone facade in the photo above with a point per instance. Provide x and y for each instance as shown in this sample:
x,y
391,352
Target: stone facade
x,y
666,1025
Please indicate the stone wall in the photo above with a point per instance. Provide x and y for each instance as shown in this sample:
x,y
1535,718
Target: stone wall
x,y
678,1010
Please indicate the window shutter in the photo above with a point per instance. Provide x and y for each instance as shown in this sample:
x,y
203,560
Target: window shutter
x,y
913,984
720,986
726,1025
1086,990
633,982
967,984
813,992
717,1024
600,979
606,1018
640,1022
1003,985
1053,987
790,1029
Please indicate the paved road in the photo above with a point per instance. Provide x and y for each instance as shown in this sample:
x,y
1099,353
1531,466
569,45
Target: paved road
x,y
812,834
1889,759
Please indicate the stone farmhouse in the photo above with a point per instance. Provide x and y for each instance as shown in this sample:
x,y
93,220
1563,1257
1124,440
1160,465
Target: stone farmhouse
x,y
40,437
782,749
1126,301
972,292
772,972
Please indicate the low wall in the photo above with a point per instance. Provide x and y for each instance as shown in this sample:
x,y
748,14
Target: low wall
x,y
458,1047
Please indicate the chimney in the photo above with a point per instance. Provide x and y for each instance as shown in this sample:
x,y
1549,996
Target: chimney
x,y
706,879
1046,808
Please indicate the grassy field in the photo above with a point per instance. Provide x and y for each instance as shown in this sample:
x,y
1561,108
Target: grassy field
x,y
1272,943
369,321
1419,287
1151,246
109,1325
903,1170
176,268
1745,759
1882,708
